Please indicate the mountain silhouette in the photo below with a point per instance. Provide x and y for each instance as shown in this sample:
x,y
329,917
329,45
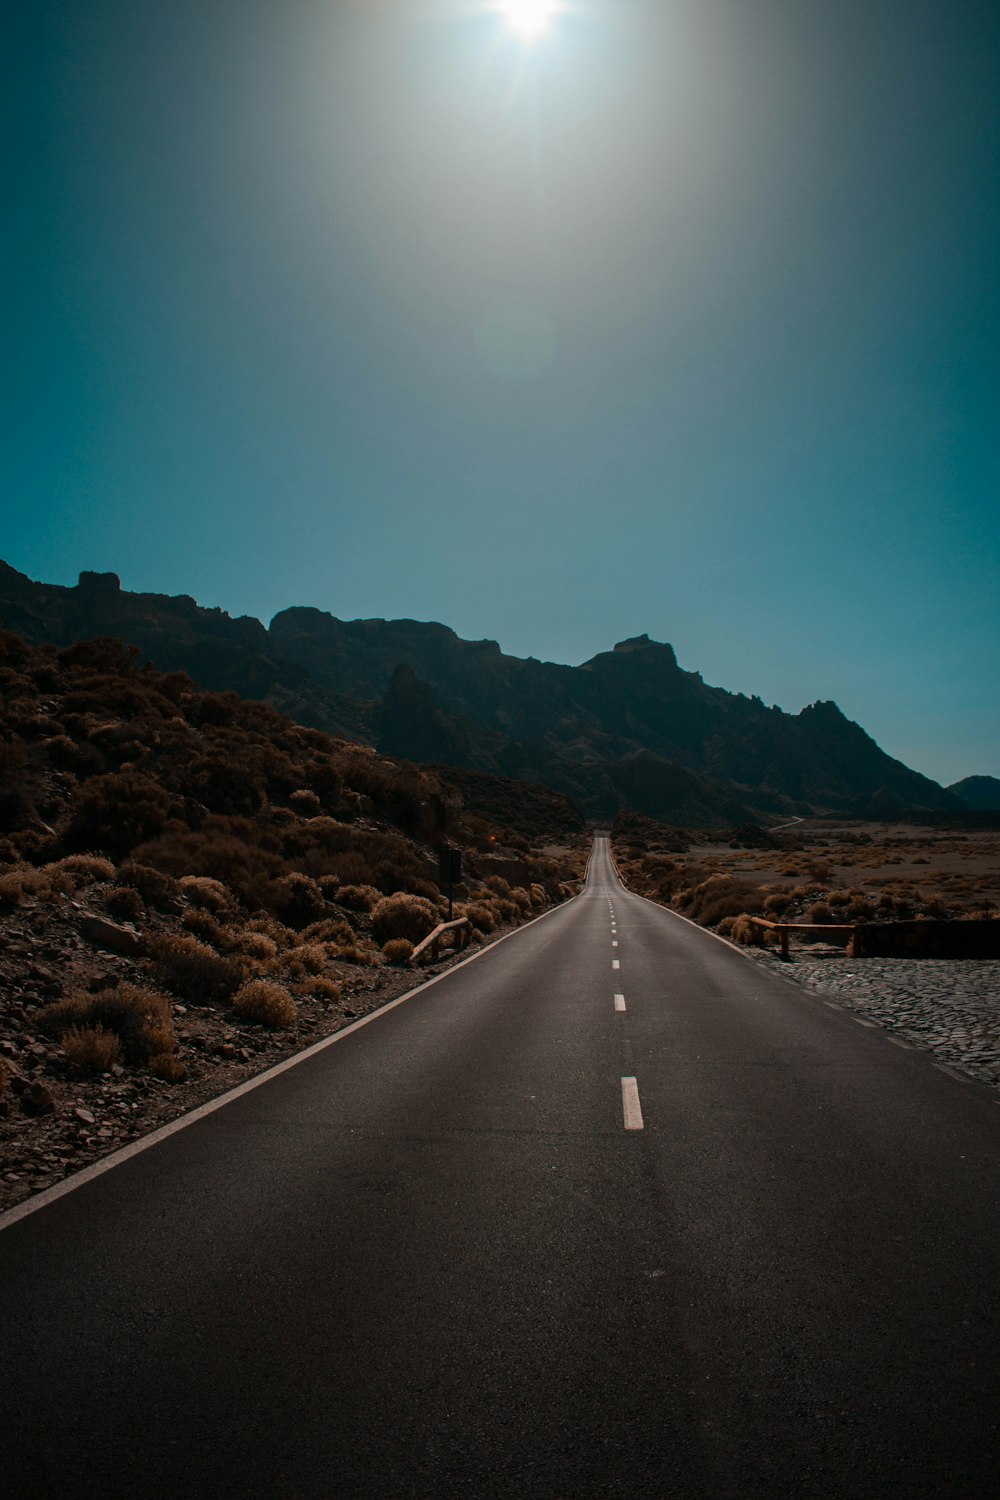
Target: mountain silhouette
x,y
629,728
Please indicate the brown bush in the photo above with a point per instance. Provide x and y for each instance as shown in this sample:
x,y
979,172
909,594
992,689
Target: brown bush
x,y
116,812
89,868
256,945
158,889
265,1002
203,891
91,1049
358,897
124,902
480,915
307,958
821,914
403,916
297,899
322,989
398,950
204,927
306,802
139,1018
193,971
164,1065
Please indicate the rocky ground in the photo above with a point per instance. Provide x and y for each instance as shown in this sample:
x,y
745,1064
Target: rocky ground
x,y
948,1007
53,1123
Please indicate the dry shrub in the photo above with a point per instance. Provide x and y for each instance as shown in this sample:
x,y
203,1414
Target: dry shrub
x,y
164,1065
358,897
521,897
91,1049
398,950
204,926
717,897
777,903
193,971
741,931
265,1002
538,896
330,930
4,1078
498,885
256,945
138,1018
297,899
306,802
203,891
820,914
154,886
480,915
89,867
403,915
322,989
124,902
308,958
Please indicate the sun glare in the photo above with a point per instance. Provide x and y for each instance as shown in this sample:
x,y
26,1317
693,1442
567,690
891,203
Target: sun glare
x,y
528,18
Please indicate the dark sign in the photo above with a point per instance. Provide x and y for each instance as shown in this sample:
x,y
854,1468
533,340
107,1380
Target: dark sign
x,y
451,867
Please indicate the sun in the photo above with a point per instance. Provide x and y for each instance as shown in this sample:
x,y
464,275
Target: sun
x,y
528,18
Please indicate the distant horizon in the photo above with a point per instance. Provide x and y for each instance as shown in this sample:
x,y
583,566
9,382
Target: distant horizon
x,y
266,619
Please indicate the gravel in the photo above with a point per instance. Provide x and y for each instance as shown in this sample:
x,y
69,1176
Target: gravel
x,y
948,1007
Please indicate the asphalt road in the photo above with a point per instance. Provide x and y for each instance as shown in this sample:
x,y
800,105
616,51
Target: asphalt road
x,y
432,1261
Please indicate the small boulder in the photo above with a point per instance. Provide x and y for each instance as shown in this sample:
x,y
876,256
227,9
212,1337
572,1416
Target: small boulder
x,y
36,1100
110,935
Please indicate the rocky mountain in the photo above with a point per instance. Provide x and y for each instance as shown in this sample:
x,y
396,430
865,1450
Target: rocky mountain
x,y
629,728
979,792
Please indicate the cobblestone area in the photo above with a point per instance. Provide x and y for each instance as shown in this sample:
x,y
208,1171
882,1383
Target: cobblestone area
x,y
949,1007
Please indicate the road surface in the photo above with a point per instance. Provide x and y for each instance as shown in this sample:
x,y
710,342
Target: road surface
x,y
575,1221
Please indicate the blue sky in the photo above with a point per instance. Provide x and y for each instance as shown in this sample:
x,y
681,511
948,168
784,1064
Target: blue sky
x,y
682,318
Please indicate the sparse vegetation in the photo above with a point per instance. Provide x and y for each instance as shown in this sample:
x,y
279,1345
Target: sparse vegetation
x,y
265,1002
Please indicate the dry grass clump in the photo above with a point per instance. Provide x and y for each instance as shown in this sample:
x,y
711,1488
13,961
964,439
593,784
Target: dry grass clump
x,y
89,867
256,945
538,896
154,886
306,802
267,1003
397,951
91,1049
307,958
358,897
204,927
740,930
193,971
297,899
125,903
203,891
717,897
403,916
27,880
329,930
139,1019
482,917
322,989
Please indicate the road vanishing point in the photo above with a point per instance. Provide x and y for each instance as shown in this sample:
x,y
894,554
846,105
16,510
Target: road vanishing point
x,y
608,1210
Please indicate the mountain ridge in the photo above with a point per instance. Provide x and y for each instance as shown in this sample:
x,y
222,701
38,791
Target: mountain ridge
x,y
628,728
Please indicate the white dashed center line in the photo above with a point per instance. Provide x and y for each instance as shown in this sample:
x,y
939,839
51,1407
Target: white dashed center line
x,y
615,964
630,1104
614,942
619,1002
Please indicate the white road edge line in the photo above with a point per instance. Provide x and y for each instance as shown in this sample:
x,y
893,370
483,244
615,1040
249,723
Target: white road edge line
x,y
619,1002
135,1148
631,1108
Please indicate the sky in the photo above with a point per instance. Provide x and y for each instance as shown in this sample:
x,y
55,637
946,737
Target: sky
x,y
678,317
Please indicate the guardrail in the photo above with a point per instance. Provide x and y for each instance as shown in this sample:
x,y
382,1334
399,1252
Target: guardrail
x,y
432,941
784,928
